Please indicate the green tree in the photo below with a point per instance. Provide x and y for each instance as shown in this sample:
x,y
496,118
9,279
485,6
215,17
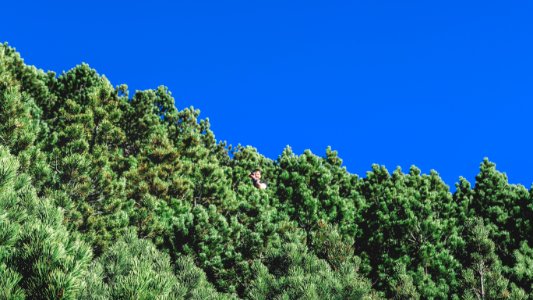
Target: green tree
x,y
504,210
311,188
84,150
483,277
39,257
522,271
21,126
135,269
290,272
410,221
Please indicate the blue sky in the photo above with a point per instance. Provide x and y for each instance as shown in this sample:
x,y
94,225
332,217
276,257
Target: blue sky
x,y
437,84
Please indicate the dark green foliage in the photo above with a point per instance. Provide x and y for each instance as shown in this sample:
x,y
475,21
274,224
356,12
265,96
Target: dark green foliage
x,y
289,272
410,221
311,188
107,196
503,207
483,277
328,244
522,271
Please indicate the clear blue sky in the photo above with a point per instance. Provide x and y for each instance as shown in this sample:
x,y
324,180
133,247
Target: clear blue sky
x,y
437,84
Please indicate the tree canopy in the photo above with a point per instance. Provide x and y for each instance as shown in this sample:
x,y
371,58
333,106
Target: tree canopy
x,y
107,195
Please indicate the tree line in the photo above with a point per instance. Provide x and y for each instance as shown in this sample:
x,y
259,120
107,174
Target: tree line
x,y
110,195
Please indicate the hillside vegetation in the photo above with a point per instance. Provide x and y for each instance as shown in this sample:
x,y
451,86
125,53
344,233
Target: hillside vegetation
x,y
110,195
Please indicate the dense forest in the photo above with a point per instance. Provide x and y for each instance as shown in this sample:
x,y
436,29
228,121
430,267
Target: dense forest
x,y
110,195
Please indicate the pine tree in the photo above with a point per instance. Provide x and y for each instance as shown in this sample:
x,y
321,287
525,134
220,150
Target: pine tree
x,y
310,189
84,150
20,118
502,207
410,221
41,259
522,271
483,277
135,269
289,272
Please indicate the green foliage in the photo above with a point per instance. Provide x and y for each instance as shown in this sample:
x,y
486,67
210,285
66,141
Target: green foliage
x,y
311,188
20,118
40,258
411,222
401,283
9,281
499,204
328,244
289,272
483,277
134,269
107,196
522,271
